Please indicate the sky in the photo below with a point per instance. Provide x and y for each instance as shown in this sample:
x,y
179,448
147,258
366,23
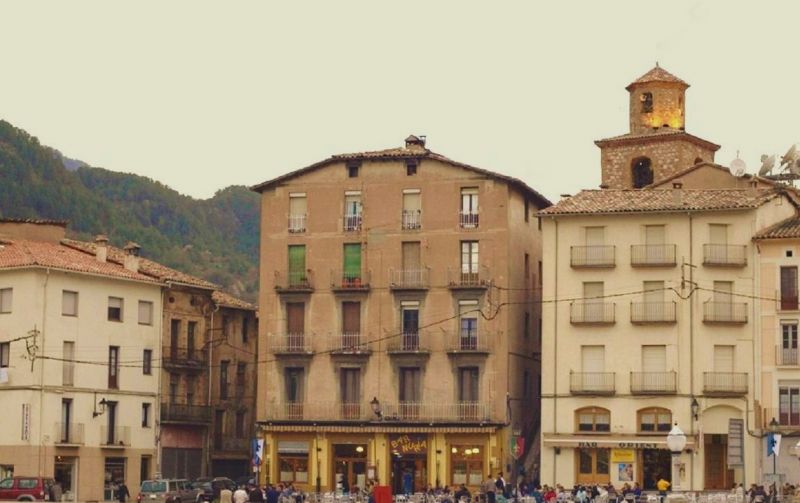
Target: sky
x,y
202,95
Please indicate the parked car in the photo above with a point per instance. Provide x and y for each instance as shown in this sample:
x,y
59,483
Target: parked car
x,y
166,491
210,490
25,488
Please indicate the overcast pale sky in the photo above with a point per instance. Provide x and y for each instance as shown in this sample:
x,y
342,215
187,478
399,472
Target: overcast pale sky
x,y
202,95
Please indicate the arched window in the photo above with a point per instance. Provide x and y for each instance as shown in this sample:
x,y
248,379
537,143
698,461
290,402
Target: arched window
x,y
647,102
593,419
641,171
654,420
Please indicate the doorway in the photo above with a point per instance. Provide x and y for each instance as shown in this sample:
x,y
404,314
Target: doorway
x,y
718,475
409,473
593,466
66,473
350,467
656,464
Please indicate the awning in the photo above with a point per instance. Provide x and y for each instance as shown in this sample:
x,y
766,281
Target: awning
x,y
610,441
292,447
297,428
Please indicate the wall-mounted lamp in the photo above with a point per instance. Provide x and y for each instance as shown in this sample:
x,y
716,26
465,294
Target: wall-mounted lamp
x,y
695,409
103,403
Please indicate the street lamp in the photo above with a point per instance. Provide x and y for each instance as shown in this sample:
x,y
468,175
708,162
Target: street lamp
x,y
676,441
695,408
773,429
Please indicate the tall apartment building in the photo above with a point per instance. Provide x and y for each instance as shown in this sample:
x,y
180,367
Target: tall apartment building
x,y
128,349
649,316
398,321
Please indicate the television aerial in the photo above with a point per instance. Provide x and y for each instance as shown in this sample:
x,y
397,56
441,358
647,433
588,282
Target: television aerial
x,y
787,170
738,166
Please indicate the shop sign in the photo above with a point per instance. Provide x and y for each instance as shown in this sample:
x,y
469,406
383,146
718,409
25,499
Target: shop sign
x,y
409,444
623,455
620,445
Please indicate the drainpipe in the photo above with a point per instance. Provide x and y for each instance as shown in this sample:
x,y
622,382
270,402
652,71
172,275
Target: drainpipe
x,y
210,332
691,337
42,448
159,356
555,345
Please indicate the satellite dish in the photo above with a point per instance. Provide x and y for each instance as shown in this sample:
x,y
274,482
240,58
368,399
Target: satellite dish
x,y
789,157
738,167
767,163
794,168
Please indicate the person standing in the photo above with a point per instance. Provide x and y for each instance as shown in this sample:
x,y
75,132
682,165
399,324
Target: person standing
x,y
122,492
240,495
500,484
56,491
225,495
489,489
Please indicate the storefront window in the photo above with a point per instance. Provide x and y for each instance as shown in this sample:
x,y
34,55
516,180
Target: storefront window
x,y
350,466
293,461
654,420
114,474
593,419
593,466
467,465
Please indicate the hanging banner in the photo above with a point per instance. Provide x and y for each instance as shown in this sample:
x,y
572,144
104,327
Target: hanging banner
x,y
257,448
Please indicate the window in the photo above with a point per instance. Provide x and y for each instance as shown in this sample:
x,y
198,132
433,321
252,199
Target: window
x,y
788,355
593,419
412,209
5,353
245,328
654,359
466,462
789,401
114,309
789,288
655,420
113,367
223,379
641,172
145,415
191,328
469,262
298,210
410,393
6,297
527,210
240,379
352,170
293,461
468,384
409,320
239,430
66,422
297,266
350,392
173,388
226,326
352,210
411,167
293,378
351,275
647,102
468,330
468,215
191,384
145,312
69,303
68,365
147,362
351,323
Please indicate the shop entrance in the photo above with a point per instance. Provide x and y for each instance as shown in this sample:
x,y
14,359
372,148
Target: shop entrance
x,y
350,467
65,472
409,463
718,475
656,464
114,473
593,466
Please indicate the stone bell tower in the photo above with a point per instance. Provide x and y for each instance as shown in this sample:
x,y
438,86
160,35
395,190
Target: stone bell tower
x,y
657,145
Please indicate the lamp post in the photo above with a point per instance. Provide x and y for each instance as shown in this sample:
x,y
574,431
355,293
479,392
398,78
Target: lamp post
x,y
676,441
773,429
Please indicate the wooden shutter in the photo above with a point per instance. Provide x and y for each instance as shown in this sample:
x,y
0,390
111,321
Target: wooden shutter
x,y
297,205
351,385
295,317
654,358
409,385
722,291
411,255
654,234
352,260
723,358
412,201
789,288
718,234
297,260
593,358
351,317
595,236
653,292
468,385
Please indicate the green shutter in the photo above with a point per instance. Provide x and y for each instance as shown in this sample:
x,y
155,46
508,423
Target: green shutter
x,y
352,260
297,262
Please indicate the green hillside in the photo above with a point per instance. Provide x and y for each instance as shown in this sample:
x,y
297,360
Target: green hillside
x,y
216,238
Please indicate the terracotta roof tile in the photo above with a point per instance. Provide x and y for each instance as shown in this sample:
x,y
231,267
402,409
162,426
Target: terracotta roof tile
x,y
657,74
226,300
646,200
789,228
22,253
659,134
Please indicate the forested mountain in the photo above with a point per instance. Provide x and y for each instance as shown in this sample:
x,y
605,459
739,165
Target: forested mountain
x,y
216,238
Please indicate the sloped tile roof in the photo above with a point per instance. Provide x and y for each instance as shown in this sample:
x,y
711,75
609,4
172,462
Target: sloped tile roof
x,y
22,253
226,300
647,200
789,228
659,134
657,74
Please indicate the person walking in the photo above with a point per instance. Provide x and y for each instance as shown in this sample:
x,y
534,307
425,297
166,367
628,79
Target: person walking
x,y
500,484
122,492
56,491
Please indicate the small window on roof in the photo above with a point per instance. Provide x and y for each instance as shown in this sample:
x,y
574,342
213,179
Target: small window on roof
x,y
352,170
789,253
411,167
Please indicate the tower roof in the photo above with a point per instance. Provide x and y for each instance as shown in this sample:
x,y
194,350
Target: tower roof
x,y
657,74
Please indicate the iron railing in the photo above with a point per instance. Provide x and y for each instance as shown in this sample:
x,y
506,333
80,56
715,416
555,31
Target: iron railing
x,y
724,255
411,220
293,281
422,412
653,255
297,223
468,219
786,356
118,436
408,342
351,343
653,383
185,413
349,280
352,222
408,279
173,356
653,312
592,383
68,433
468,341
725,312
725,383
290,344
592,256
581,313
468,277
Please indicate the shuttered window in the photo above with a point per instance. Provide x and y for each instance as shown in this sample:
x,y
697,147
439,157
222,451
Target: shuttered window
x,y
350,385
352,261
723,358
789,288
294,384
593,358
297,260
654,234
69,303
654,358
297,204
6,297
295,317
410,384
718,234
351,317
468,384
68,365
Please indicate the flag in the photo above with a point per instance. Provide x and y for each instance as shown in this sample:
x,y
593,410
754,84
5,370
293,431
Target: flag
x,y
773,444
257,448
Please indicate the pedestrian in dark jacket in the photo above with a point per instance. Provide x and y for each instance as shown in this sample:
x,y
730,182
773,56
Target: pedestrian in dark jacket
x,y
122,492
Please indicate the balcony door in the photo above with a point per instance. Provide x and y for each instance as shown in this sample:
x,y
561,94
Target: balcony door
x,y
174,332
718,240
654,368
723,300
468,334
295,392
469,262
468,392
295,325
593,366
788,354
410,392
653,300
351,325
789,288
789,402
350,392
595,238
297,265
723,379
352,265
66,420
409,314
111,423
593,305
412,263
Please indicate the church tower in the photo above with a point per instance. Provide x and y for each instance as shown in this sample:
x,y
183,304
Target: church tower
x,y
657,145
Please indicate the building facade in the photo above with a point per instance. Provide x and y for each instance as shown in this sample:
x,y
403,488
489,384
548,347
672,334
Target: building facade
x,y
398,321
650,317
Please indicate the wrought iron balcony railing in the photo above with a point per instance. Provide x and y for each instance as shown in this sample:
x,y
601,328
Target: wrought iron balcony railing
x,y
468,341
352,222
346,281
468,277
411,220
297,223
398,412
725,312
185,413
591,313
653,312
592,256
118,436
468,219
724,255
409,279
725,383
349,344
653,255
408,342
68,433
592,383
654,383
290,344
294,281
178,357
787,357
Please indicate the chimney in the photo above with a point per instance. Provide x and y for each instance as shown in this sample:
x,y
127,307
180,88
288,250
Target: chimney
x,y
752,187
101,247
416,141
132,256
677,193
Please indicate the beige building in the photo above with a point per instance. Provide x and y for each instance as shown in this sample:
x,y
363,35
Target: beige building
x,y
398,321
649,317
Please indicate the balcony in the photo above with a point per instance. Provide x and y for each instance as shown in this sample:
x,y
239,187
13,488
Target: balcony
x,y
725,383
592,383
184,358
349,345
466,342
348,281
468,219
178,413
786,357
725,312
297,223
411,220
653,312
653,256
598,256
232,444
466,278
117,437
787,419
68,434
789,301
294,282
591,313
654,383
724,255
399,412
409,279
352,222
408,343
290,344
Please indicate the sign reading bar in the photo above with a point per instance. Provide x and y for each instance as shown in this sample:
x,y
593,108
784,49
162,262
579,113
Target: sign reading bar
x,y
735,442
409,444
